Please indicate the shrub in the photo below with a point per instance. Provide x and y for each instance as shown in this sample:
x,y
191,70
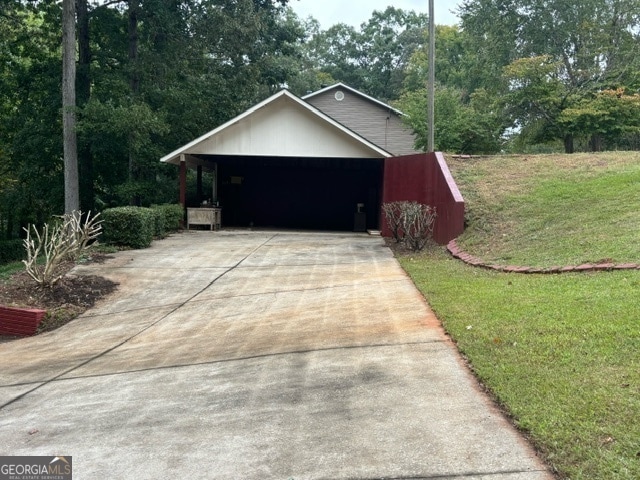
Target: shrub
x,y
129,226
11,251
418,220
62,240
81,233
393,213
173,215
159,230
410,222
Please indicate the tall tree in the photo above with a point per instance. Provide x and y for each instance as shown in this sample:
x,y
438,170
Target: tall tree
x,y
374,58
83,95
467,118
31,151
310,76
178,67
388,40
454,61
71,188
198,63
463,124
535,98
608,115
593,45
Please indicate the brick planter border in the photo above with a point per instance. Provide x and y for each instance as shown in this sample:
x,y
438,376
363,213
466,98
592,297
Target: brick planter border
x,y
458,253
20,321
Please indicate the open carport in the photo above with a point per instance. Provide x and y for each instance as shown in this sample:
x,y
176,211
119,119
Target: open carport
x,y
308,193
327,161
285,163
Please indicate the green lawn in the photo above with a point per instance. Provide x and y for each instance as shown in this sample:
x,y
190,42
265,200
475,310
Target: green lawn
x,y
8,269
561,353
552,209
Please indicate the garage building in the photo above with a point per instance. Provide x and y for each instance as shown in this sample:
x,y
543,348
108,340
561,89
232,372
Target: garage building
x,y
316,162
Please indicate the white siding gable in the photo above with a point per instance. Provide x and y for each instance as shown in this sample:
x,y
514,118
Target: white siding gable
x,y
282,126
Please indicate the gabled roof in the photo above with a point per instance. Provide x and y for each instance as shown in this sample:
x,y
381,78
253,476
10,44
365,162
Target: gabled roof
x,y
356,92
281,125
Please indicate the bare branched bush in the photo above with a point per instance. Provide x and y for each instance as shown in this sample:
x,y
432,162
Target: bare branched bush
x,y
418,221
393,213
63,240
410,222
84,232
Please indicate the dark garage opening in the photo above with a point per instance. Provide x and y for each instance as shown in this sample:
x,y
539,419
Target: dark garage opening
x,y
305,193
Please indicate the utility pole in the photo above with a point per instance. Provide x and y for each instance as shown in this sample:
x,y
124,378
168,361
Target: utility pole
x,y
432,80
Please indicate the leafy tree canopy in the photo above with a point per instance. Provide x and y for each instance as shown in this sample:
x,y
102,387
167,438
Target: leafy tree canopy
x,y
551,55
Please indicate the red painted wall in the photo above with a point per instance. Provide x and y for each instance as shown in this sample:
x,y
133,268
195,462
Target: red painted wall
x,y
425,178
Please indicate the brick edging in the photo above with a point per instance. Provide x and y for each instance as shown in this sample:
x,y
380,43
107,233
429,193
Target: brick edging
x,y
20,321
458,253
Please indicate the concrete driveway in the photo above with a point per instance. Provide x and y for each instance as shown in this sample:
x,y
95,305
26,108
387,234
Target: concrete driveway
x,y
256,355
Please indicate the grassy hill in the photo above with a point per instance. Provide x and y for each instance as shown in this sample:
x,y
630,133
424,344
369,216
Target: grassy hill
x,y
552,209
561,353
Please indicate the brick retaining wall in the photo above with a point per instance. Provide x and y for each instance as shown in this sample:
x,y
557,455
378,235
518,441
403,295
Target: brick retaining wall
x,y
20,321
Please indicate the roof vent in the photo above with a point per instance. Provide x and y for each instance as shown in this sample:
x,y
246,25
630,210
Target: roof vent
x,y
339,96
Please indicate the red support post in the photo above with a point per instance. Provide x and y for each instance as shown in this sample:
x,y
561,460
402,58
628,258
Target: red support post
x,y
183,183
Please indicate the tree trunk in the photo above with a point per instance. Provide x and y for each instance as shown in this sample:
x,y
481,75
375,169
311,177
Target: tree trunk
x,y
134,84
83,86
596,143
70,147
134,79
568,144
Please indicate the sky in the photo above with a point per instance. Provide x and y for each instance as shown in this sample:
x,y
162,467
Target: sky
x,y
355,12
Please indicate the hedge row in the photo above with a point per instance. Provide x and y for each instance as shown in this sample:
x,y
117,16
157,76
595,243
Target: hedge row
x,y
133,227
136,227
172,217
11,251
